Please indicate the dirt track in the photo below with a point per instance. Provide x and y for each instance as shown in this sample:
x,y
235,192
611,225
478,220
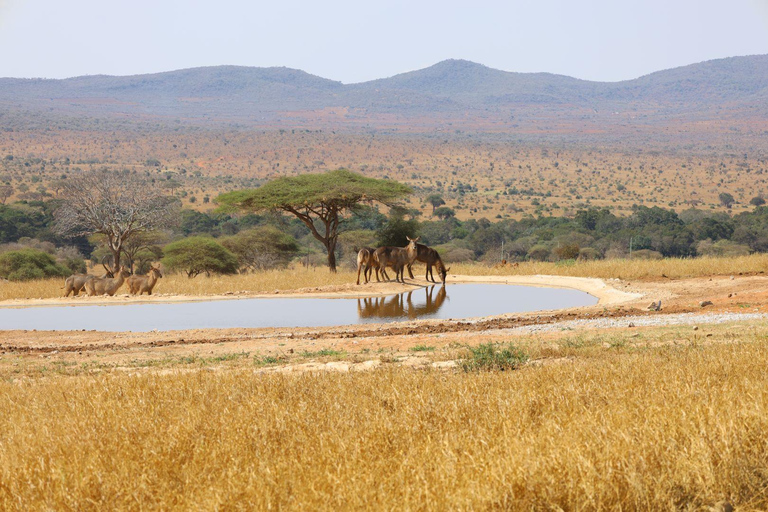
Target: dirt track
x,y
737,294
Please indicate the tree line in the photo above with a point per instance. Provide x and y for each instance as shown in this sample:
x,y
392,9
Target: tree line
x,y
110,217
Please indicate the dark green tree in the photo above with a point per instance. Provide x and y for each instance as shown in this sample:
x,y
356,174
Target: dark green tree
x,y
435,200
318,200
444,213
726,199
198,254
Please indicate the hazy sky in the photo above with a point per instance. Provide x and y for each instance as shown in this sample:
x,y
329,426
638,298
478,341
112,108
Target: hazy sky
x,y
354,41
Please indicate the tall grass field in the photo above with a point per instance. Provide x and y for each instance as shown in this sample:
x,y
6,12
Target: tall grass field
x,y
631,429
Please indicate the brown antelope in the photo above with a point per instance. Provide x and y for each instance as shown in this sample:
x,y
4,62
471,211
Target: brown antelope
x,y
366,262
74,283
106,285
396,257
424,254
140,284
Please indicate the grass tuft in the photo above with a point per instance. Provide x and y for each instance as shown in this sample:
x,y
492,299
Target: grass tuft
x,y
492,357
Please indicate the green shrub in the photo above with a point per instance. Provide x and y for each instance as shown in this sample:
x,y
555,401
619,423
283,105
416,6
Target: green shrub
x,y
489,357
262,248
538,253
589,253
27,264
198,254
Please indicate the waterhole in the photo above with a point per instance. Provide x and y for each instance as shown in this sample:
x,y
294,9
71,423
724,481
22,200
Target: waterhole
x,y
440,302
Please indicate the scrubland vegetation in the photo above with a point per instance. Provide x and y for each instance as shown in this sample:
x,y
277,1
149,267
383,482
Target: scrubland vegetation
x,y
678,426
477,175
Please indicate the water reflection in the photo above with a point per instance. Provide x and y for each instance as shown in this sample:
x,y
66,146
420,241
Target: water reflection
x,y
402,305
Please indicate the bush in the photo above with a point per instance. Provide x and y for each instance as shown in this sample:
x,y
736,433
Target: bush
x,y
489,356
646,254
589,253
538,253
457,254
262,248
27,264
566,252
198,254
721,248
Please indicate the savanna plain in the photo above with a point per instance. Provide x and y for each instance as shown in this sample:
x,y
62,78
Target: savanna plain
x,y
610,406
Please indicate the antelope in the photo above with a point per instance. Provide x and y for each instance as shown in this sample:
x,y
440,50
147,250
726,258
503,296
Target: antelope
x,y
140,284
106,285
420,252
74,283
396,257
366,262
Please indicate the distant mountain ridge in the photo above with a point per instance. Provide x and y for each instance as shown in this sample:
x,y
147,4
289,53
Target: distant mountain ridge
x,y
454,91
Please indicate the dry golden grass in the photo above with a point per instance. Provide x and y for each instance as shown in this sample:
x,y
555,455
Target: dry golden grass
x,y
637,429
295,278
628,269
299,277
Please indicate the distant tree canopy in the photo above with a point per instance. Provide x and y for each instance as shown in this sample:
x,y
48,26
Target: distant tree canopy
x,y
318,200
726,199
435,200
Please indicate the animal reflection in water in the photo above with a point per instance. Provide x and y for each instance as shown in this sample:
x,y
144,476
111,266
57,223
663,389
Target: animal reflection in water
x,y
402,305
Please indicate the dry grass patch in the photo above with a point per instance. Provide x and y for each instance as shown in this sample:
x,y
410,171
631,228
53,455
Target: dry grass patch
x,y
674,427
294,278
674,268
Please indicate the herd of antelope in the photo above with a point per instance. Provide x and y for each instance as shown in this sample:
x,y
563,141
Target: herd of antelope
x,y
108,284
368,261
399,258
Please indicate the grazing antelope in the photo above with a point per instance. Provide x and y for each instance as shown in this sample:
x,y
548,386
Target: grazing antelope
x,y
424,254
396,257
74,283
140,284
366,262
106,285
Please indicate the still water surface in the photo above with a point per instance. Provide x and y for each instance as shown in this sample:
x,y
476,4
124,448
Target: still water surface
x,y
449,301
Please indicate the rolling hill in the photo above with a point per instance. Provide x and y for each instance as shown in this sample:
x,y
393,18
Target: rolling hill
x,y
452,93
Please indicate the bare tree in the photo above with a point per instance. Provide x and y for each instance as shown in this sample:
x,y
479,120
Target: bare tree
x,y
118,205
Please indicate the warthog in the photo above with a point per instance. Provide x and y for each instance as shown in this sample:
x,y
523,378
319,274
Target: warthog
x,y
396,257
74,283
140,284
366,263
420,252
106,285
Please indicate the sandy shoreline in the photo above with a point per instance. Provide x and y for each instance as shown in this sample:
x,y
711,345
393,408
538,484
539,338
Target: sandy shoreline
x,y
604,292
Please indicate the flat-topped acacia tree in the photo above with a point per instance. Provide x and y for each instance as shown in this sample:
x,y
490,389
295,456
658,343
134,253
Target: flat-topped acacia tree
x,y
318,200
